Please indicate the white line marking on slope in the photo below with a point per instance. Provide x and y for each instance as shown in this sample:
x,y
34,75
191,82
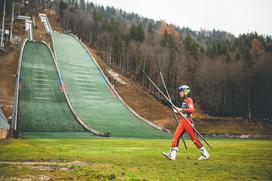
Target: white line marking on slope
x,y
41,88
46,80
84,83
44,98
39,84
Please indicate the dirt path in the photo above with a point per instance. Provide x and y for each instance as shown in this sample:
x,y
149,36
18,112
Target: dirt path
x,y
40,33
44,163
8,66
56,26
8,71
43,170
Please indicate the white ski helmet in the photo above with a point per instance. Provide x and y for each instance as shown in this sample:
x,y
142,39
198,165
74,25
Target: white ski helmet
x,y
185,89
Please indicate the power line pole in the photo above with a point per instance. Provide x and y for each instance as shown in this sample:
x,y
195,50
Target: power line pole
x,y
3,24
12,20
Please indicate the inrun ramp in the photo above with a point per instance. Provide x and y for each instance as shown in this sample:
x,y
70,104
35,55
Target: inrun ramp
x,y
91,96
42,107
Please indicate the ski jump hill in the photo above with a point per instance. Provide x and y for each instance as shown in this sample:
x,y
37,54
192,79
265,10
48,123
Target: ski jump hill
x,y
66,95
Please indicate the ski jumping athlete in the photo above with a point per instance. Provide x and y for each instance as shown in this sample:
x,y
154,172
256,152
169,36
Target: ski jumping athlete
x,y
187,108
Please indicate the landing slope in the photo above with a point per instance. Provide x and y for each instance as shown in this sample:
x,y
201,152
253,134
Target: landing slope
x,y
42,106
91,96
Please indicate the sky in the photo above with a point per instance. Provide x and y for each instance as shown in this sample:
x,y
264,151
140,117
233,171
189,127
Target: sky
x,y
234,16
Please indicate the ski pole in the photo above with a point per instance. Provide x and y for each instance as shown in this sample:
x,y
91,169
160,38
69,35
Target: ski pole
x,y
168,95
175,107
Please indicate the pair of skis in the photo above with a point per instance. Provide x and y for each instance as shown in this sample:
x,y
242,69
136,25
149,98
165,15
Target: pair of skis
x,y
168,98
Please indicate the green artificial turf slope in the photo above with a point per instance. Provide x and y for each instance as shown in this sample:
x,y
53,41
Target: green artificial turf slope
x,y
90,95
42,105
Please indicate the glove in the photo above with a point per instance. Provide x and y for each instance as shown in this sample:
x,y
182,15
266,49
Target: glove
x,y
176,109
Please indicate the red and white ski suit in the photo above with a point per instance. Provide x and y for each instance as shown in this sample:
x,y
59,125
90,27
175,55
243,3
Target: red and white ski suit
x,y
187,109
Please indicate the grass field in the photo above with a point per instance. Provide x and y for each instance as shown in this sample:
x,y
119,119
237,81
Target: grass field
x,y
130,159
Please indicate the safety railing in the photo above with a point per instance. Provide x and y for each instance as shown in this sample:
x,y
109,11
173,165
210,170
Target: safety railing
x,y
3,121
29,29
46,23
17,87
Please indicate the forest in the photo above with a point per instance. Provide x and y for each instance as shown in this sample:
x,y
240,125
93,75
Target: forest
x,y
228,75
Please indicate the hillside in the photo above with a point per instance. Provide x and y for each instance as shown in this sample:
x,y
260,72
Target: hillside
x,y
140,95
133,93
223,71
79,107
151,109
8,69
